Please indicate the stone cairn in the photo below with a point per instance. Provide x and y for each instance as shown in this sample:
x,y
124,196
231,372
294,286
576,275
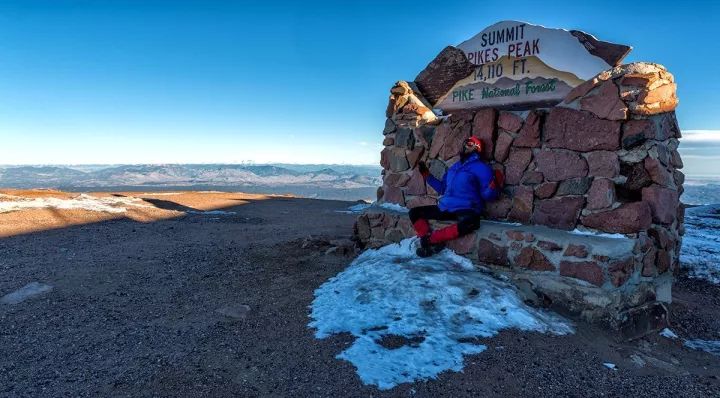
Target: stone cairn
x,y
603,161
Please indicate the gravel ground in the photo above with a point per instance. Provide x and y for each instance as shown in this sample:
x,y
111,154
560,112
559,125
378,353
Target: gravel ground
x,y
205,305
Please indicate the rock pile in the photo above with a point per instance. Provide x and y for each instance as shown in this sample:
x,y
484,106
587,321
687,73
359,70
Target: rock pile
x,y
604,160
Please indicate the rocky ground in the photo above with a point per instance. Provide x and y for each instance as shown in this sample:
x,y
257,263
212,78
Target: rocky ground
x,y
169,300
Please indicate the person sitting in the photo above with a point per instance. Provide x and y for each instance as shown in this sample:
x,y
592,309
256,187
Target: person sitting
x,y
464,189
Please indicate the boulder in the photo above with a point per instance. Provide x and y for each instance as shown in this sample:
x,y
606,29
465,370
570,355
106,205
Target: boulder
x,y
559,213
573,250
393,195
533,259
498,209
635,132
455,140
529,135
441,74
574,186
416,184
442,132
405,138
626,219
509,121
491,253
516,164
603,164
588,271
636,177
546,190
397,159
522,204
532,177
621,270
502,146
389,126
549,246
558,165
663,203
605,102
396,180
414,156
601,194
463,245
483,127
657,172
580,131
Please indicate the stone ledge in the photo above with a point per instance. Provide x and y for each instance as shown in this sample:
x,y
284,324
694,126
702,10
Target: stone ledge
x,y
594,277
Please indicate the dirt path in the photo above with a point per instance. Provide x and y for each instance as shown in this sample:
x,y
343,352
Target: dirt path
x,y
217,305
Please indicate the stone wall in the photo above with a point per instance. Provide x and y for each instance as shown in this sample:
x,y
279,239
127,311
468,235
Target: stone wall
x,y
603,161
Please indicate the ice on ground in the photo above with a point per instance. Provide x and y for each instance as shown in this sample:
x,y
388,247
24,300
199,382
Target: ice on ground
x,y
361,207
668,333
25,292
595,233
701,242
610,365
711,346
437,306
110,204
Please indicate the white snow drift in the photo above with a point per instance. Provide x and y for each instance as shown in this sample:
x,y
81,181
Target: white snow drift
x,y
439,305
110,204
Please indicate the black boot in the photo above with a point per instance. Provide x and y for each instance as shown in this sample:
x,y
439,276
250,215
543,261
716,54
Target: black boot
x,y
425,249
428,249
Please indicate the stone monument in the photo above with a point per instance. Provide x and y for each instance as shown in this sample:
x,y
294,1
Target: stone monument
x,y
589,221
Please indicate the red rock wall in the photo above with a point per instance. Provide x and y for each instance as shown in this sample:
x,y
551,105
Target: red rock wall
x,y
605,159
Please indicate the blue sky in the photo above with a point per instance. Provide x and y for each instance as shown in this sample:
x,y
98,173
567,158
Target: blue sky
x,y
301,82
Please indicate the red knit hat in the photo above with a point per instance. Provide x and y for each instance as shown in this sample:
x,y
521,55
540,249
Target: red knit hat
x,y
476,141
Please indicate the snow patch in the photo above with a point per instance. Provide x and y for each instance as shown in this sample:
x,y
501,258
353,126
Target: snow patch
x,y
595,233
361,207
668,334
701,242
711,346
25,292
437,306
610,365
110,204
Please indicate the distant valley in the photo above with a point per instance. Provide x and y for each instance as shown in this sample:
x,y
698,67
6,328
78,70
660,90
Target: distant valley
x,y
344,182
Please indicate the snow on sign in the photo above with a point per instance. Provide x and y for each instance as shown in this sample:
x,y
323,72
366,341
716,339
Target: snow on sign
x,y
518,65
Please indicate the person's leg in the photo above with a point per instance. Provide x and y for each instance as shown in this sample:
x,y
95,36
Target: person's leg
x,y
420,216
468,221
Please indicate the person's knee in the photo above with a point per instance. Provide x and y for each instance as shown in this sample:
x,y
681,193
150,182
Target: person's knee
x,y
468,224
414,214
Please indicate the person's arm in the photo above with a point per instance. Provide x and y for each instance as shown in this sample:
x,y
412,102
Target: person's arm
x,y
438,185
491,184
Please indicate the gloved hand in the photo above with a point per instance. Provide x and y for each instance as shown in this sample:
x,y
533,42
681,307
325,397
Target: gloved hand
x,y
424,170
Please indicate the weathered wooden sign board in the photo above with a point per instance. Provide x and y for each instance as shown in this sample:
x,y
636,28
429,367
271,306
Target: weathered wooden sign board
x,y
518,65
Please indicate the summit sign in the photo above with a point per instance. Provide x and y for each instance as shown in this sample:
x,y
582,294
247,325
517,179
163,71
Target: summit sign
x,y
517,65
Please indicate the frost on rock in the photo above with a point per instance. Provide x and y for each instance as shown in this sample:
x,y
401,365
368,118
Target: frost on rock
x,y
82,202
437,306
701,243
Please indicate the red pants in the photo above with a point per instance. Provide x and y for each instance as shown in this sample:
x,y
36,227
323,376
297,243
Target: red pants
x,y
468,221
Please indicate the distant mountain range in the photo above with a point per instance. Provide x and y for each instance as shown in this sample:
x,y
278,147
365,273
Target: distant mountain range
x,y
321,181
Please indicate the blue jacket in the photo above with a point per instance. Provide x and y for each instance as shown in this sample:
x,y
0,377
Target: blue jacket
x,y
465,186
